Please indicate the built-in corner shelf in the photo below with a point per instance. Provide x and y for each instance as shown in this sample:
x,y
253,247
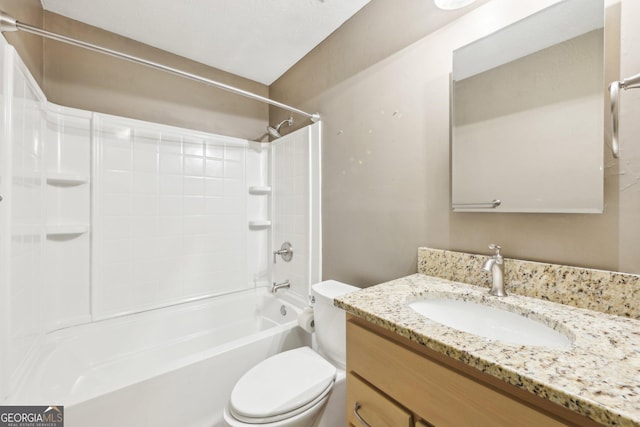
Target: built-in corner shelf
x,y
260,223
259,189
66,179
66,229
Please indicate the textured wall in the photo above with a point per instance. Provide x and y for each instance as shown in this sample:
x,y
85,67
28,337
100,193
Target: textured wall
x,y
386,139
629,163
91,81
82,79
386,175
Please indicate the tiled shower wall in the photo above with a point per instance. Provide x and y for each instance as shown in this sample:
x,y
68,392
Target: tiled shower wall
x,y
295,164
169,215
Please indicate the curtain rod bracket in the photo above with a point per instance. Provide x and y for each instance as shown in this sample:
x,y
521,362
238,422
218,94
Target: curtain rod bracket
x,y
7,23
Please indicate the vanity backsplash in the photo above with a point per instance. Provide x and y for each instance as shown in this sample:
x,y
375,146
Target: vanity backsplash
x,y
605,291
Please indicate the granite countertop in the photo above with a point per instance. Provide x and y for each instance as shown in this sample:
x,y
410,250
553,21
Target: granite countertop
x,y
597,376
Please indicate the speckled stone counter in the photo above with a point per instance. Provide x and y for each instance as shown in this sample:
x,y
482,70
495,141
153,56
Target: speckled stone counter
x,y
597,376
605,291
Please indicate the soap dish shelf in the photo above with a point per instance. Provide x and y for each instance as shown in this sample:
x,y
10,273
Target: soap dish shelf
x,y
260,189
66,179
260,223
67,229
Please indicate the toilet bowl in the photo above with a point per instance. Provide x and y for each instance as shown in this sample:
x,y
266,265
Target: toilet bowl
x,y
300,387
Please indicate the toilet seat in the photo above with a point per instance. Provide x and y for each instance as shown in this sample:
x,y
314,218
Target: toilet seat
x,y
283,416
282,387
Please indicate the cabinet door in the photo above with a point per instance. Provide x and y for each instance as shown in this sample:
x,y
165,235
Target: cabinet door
x,y
367,407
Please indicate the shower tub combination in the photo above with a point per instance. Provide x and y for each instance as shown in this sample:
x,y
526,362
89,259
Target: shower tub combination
x,y
83,331
166,367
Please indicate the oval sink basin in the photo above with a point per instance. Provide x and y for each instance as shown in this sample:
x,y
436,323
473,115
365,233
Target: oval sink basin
x,y
489,322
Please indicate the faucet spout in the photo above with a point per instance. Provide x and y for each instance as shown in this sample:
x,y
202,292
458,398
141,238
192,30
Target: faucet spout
x,y
276,286
495,265
488,264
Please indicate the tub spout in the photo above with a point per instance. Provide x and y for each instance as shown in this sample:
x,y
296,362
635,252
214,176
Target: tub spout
x,y
283,285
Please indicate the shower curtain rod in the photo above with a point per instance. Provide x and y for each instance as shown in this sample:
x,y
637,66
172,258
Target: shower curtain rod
x,y
7,23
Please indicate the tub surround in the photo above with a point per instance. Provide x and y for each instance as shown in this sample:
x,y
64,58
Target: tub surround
x,y
596,376
152,289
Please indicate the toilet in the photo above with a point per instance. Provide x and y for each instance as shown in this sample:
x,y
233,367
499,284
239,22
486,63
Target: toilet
x,y
300,387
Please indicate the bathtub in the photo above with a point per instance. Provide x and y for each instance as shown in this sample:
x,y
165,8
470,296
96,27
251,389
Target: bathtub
x,y
174,366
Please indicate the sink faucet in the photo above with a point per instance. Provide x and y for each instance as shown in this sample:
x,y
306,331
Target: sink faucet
x,y
495,265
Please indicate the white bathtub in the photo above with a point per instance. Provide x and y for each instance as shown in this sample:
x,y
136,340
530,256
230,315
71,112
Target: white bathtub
x,y
169,367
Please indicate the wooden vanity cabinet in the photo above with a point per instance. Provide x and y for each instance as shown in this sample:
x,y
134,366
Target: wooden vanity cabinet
x,y
398,383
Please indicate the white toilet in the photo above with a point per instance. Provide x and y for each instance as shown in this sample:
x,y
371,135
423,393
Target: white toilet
x,y
300,387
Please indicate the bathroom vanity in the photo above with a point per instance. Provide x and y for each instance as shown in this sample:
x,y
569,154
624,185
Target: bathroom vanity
x,y
426,387
405,369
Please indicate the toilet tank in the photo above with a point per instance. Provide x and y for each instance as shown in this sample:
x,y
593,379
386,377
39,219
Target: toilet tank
x,y
330,323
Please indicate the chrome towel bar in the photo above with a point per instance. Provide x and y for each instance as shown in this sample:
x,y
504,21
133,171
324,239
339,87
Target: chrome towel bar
x,y
479,205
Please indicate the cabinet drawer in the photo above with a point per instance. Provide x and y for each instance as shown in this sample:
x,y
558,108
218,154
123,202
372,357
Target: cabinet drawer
x,y
431,390
372,406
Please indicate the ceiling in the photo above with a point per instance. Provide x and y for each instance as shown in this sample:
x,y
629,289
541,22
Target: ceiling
x,y
256,39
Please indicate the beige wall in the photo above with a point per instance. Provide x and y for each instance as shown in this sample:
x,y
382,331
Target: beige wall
x,y
386,175
385,109
83,79
628,200
29,47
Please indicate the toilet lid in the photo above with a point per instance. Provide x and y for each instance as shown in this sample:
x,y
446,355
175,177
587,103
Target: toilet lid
x,y
285,383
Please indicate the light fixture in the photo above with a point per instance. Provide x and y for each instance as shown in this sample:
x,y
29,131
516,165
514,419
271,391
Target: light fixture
x,y
452,4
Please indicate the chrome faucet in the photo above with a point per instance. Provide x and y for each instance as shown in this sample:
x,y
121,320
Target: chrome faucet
x,y
495,265
283,285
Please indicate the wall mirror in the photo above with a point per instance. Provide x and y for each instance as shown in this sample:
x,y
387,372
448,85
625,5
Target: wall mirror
x,y
527,114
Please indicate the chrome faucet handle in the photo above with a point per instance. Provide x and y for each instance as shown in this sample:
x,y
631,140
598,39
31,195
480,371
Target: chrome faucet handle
x,y
495,248
285,251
